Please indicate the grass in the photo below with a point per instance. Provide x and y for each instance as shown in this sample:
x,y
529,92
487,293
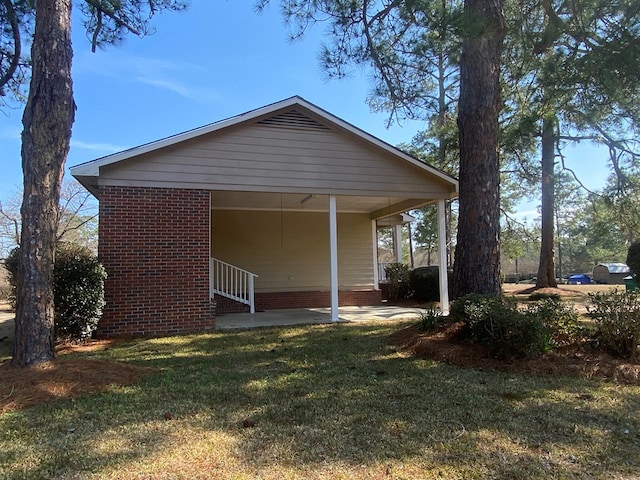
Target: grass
x,y
329,401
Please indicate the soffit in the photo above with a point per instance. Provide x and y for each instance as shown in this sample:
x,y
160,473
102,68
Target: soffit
x,y
225,200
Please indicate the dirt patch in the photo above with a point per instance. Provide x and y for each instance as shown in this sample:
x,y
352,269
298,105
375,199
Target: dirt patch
x,y
63,379
443,345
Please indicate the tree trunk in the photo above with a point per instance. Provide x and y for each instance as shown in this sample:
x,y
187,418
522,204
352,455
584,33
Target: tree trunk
x,y
477,256
558,236
47,122
546,268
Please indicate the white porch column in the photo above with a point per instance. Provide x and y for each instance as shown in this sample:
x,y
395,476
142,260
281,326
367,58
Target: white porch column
x,y
333,241
397,242
374,238
442,250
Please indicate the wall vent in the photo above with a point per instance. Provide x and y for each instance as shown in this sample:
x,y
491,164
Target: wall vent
x,y
293,119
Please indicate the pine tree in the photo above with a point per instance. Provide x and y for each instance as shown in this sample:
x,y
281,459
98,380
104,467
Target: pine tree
x,y
47,121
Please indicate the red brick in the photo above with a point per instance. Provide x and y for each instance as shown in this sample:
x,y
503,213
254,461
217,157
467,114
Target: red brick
x,y
152,242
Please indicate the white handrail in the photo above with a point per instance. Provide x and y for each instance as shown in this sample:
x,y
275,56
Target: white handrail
x,y
232,282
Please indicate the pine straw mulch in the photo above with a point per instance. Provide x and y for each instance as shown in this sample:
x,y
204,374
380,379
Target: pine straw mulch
x,y
561,291
442,345
64,378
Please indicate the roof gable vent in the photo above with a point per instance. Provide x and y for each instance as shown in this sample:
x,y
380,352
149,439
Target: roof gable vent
x,y
293,119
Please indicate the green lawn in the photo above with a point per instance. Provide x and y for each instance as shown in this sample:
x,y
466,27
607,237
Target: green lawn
x,y
330,401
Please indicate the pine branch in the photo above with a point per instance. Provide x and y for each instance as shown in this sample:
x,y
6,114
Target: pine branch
x,y
17,46
111,13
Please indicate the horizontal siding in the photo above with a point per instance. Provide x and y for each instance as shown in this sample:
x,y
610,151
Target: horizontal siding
x,y
290,251
355,252
263,158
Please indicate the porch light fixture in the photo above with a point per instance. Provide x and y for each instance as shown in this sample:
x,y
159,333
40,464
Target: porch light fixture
x,y
306,199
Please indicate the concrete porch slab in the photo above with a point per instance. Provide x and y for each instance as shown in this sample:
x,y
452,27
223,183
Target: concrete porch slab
x,y
309,316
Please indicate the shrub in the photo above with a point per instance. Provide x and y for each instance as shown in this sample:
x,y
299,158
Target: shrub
x,y
424,282
497,324
78,289
559,318
633,260
5,286
473,306
430,318
398,280
617,320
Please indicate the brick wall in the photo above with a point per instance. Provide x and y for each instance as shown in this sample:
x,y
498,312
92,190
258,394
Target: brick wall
x,y
314,299
154,244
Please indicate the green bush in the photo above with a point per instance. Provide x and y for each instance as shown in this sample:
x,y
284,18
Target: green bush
x,y
559,318
397,280
78,289
499,325
424,282
617,322
633,260
5,287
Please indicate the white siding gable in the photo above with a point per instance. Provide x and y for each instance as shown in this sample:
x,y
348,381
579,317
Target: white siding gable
x,y
288,151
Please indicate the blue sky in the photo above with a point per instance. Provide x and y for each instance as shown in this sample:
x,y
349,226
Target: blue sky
x,y
216,60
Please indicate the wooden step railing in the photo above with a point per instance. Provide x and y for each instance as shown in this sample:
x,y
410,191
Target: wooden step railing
x,y
232,282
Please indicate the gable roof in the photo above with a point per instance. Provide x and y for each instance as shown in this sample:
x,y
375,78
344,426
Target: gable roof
x,y
275,114
614,267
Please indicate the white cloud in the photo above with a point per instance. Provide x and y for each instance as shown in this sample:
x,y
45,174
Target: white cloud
x,y
179,78
97,147
190,92
167,85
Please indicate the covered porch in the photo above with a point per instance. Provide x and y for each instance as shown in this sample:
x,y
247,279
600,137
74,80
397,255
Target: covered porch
x,y
274,250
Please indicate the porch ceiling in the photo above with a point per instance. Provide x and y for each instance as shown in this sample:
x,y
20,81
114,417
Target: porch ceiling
x,y
377,207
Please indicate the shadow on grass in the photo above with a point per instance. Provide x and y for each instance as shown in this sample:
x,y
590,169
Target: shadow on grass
x,y
313,396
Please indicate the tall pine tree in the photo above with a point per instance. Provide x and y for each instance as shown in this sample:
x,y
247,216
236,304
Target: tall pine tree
x,y
392,38
47,122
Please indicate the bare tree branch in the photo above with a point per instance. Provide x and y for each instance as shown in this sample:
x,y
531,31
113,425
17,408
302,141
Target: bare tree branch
x,y
68,228
14,221
573,173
